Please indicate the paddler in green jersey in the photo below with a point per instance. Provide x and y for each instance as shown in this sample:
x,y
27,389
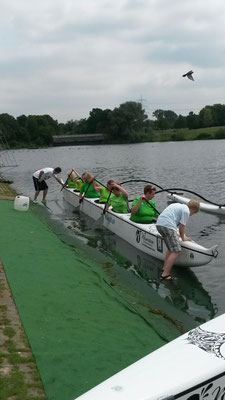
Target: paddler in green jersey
x,y
144,209
74,180
104,191
118,199
88,188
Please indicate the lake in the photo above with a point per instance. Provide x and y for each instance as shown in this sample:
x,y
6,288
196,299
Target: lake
x,y
198,294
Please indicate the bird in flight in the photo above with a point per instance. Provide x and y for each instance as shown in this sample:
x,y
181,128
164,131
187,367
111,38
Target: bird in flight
x,y
189,75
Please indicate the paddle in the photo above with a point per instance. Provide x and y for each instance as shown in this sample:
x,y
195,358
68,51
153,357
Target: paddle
x,y
82,198
100,220
64,185
151,205
100,183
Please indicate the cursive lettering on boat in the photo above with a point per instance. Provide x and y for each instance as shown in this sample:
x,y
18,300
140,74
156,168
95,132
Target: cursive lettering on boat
x,y
147,241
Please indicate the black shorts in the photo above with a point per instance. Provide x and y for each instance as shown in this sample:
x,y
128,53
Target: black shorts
x,y
39,185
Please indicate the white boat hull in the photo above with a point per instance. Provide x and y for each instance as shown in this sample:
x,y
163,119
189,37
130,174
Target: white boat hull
x,y
191,367
144,237
206,207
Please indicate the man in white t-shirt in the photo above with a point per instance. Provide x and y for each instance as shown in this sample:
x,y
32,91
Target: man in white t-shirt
x,y
39,179
174,216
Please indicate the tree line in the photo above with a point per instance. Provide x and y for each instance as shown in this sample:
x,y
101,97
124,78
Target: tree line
x,y
127,123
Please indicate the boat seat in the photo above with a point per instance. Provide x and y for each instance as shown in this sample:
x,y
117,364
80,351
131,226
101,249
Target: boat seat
x,y
126,217
102,202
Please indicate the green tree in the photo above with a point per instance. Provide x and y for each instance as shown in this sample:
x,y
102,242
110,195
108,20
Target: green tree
x,y
165,119
192,120
180,122
10,128
98,120
206,117
218,111
127,119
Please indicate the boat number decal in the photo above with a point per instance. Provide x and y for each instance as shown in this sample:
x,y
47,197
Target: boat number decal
x,y
138,236
159,244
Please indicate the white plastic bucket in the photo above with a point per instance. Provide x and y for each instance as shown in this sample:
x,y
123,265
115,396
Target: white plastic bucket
x,y
21,203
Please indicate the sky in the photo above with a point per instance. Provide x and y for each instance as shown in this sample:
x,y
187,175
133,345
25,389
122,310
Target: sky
x,y
66,57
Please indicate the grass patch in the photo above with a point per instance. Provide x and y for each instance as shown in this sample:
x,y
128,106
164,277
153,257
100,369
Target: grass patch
x,y
19,376
214,132
14,385
1,288
9,331
6,190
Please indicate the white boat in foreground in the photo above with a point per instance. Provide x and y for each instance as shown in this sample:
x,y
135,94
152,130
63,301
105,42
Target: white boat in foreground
x,y
144,237
191,367
206,207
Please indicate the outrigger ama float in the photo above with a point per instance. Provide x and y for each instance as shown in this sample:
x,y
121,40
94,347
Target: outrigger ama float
x,y
144,237
211,208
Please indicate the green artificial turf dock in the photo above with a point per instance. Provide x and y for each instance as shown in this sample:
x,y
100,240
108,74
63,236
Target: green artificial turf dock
x,y
79,329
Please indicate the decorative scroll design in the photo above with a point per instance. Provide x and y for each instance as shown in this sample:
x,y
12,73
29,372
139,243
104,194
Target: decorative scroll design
x,y
211,342
209,392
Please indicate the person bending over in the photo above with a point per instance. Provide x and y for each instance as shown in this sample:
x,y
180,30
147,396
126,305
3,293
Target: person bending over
x,y
39,178
175,215
144,209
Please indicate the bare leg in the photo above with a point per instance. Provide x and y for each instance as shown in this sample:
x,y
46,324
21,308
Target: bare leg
x,y
169,261
45,194
36,194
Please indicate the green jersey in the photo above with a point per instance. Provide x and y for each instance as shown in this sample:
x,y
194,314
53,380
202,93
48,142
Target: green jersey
x,y
77,185
119,203
89,190
104,194
71,183
145,214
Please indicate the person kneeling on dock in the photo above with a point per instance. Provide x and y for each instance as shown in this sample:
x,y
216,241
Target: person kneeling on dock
x,y
144,209
175,215
118,199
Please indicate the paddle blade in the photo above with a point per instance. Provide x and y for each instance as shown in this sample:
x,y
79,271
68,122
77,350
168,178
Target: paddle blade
x,y
99,221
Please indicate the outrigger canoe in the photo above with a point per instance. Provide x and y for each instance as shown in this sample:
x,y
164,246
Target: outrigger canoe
x,y
144,237
191,367
206,207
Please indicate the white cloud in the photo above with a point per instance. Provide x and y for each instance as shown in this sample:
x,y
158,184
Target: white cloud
x,y
65,57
